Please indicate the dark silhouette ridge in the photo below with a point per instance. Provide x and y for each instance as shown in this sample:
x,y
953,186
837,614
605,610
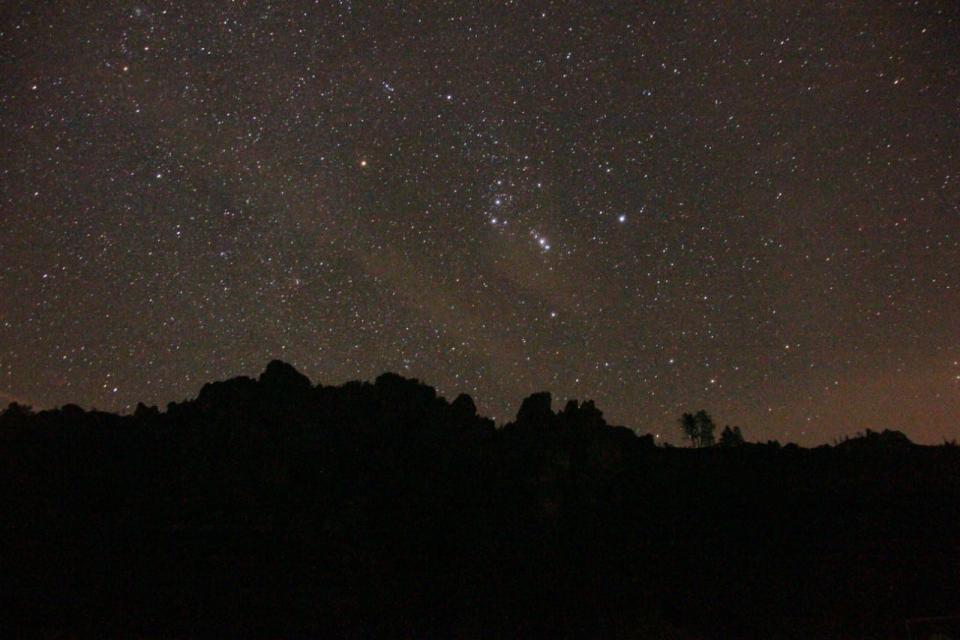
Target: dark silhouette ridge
x,y
275,508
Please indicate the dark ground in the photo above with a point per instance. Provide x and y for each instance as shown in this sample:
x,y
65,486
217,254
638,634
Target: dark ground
x,y
270,508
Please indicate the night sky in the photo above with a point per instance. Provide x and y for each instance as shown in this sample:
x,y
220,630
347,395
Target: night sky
x,y
748,207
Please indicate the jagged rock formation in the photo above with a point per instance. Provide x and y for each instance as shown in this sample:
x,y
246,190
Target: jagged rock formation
x,y
276,508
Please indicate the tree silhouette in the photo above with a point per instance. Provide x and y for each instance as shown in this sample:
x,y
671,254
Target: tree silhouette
x,y
17,410
706,428
698,428
731,437
688,423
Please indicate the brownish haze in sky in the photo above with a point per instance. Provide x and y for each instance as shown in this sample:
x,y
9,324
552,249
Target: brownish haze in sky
x,y
751,208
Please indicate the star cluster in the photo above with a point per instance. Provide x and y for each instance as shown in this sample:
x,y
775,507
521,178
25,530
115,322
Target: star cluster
x,y
753,208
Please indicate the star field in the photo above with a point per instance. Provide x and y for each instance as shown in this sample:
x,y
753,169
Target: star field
x,y
660,206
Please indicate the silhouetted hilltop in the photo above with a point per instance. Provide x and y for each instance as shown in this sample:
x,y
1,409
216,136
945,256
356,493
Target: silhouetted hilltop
x,y
271,507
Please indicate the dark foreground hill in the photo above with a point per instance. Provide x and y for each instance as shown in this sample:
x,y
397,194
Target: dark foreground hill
x,y
271,508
